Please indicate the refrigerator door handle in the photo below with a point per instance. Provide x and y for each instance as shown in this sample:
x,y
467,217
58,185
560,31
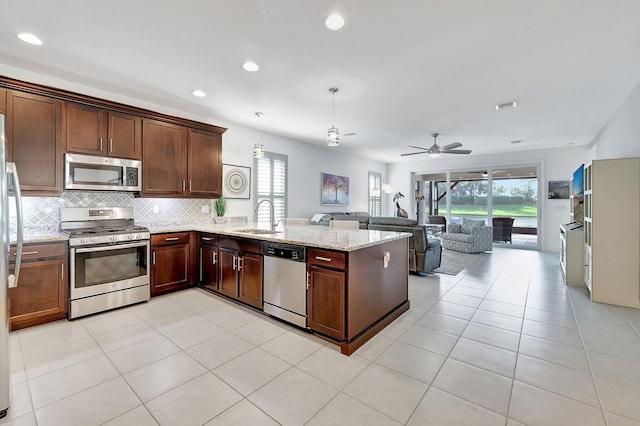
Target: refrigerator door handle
x,y
13,278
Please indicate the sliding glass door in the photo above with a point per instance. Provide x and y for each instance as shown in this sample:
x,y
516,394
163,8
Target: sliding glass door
x,y
506,198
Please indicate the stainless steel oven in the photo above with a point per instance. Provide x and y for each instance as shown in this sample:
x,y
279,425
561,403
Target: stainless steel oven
x,y
109,259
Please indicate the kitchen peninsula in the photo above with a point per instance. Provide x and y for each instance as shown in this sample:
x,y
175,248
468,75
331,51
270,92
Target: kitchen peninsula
x,y
356,281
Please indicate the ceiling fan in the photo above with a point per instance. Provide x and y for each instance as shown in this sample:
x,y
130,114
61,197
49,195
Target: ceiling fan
x,y
435,150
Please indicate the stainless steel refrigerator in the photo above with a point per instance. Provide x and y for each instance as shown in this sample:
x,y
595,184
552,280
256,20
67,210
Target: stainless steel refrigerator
x,y
9,183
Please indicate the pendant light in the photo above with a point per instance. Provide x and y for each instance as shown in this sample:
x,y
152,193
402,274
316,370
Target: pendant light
x,y
333,135
258,149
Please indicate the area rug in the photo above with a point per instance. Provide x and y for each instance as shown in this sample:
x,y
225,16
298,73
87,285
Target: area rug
x,y
453,262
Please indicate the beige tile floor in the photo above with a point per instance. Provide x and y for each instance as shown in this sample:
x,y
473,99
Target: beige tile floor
x,y
505,343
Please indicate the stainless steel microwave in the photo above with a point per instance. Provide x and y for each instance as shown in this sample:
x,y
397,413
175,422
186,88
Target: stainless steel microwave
x,y
94,173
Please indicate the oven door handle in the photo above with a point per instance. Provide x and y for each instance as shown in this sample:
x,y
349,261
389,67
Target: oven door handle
x,y
111,247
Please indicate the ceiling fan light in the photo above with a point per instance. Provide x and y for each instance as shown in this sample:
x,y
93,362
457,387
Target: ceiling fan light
x,y
435,154
485,174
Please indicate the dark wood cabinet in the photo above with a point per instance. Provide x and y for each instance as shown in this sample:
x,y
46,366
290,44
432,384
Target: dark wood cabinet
x,y
180,162
164,159
250,280
208,261
204,163
42,292
35,134
94,130
3,101
170,262
326,294
241,270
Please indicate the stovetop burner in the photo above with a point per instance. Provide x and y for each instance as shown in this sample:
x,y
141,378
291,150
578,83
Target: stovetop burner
x,y
105,225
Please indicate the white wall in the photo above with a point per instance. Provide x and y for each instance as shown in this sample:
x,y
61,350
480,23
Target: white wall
x,y
620,137
306,162
555,164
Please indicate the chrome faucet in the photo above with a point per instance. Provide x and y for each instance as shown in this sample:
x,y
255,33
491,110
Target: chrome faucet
x,y
273,221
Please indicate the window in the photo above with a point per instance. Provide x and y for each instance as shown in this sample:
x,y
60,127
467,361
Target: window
x,y
271,184
375,200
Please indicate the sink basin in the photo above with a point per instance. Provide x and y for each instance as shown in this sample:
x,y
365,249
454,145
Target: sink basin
x,y
256,231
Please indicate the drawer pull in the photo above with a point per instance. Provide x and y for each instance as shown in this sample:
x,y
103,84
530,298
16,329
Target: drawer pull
x,y
206,239
172,239
324,259
28,252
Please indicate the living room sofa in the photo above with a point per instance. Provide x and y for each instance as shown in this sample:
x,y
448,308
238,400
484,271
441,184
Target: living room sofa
x,y
471,236
425,254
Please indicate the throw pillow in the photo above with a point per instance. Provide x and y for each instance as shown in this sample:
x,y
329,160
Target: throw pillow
x,y
467,224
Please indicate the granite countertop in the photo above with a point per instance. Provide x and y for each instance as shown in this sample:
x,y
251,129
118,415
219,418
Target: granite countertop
x,y
40,235
307,235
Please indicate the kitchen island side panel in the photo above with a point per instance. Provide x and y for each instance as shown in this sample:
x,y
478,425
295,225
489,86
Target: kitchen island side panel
x,y
373,291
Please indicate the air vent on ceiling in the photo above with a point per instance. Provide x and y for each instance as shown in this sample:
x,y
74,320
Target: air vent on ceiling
x,y
517,141
508,105
350,134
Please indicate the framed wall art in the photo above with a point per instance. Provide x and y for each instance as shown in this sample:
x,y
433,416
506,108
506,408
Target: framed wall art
x,y
335,190
558,190
236,181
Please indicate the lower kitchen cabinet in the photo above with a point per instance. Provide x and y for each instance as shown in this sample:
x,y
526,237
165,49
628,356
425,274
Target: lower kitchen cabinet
x,y
208,261
326,294
169,262
241,269
42,292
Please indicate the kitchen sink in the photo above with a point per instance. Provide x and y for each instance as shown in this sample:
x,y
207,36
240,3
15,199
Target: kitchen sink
x,y
257,231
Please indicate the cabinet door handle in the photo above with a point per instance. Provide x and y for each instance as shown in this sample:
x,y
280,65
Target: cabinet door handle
x,y
308,280
184,185
62,271
214,256
324,259
172,239
153,256
239,262
233,264
110,145
101,144
189,185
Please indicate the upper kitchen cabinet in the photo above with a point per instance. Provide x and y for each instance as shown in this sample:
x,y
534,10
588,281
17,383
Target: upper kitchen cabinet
x,y
205,163
164,159
93,130
35,134
180,162
3,101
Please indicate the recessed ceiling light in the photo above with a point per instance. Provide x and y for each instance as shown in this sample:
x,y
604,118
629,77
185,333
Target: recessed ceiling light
x,y
334,22
30,38
199,93
508,105
250,66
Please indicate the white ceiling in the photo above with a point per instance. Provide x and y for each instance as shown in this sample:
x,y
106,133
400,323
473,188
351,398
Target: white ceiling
x,y
404,68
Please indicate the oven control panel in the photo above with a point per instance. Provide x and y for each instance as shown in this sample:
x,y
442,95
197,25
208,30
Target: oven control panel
x,y
114,238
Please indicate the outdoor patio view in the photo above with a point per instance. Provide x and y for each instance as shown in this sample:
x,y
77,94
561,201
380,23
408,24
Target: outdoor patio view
x,y
512,197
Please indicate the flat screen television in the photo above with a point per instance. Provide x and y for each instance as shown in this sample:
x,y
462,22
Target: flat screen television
x,y
578,195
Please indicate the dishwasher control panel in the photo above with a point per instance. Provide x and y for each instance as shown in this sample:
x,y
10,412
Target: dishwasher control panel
x,y
285,251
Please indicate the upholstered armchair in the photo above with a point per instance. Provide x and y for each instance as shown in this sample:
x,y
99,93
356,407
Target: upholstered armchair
x,y
472,236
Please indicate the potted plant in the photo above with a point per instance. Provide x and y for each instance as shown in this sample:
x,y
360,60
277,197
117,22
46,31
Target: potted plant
x,y
221,207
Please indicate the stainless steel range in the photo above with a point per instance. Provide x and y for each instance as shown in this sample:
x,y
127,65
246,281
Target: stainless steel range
x,y
109,259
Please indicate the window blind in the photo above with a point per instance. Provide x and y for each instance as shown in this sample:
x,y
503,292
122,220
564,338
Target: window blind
x,y
375,197
271,184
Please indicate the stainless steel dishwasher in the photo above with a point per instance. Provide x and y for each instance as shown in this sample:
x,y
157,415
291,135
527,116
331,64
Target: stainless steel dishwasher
x,y
285,282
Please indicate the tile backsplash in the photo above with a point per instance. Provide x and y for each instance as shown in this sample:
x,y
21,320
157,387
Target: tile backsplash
x,y
44,212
